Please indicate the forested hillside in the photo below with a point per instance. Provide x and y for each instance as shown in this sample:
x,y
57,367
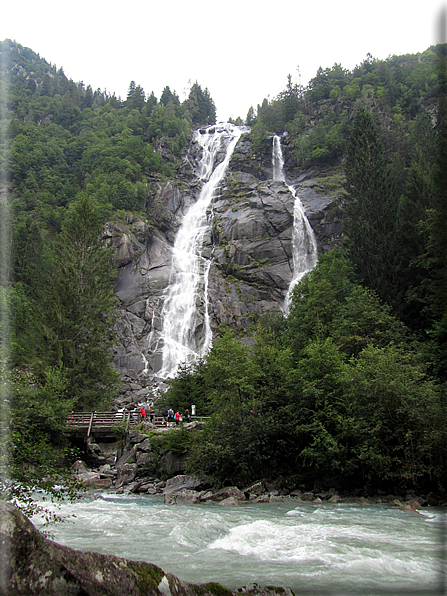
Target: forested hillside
x,y
352,383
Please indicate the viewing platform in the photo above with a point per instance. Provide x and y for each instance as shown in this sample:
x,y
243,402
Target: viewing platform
x,y
101,424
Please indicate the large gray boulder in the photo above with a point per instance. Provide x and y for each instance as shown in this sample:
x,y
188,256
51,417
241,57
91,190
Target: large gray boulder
x,y
182,482
125,474
228,492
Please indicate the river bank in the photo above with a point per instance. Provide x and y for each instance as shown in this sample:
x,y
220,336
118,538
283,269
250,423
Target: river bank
x,y
123,468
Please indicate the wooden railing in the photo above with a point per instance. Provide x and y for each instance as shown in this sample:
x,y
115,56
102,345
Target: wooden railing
x,y
88,423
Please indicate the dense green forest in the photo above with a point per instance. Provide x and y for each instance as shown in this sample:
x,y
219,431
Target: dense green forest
x,y
350,387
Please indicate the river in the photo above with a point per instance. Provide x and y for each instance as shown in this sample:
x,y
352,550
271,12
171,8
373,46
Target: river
x,y
333,549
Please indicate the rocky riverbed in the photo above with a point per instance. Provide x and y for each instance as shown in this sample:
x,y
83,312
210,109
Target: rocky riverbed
x,y
124,470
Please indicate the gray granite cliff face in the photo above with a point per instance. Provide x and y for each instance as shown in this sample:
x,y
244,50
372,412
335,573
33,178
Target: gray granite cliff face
x,y
249,242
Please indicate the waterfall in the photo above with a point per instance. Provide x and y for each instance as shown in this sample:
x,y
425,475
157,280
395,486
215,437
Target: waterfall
x,y
304,244
277,160
186,332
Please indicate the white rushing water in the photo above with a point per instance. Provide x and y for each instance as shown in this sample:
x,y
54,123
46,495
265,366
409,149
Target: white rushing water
x,y
304,244
188,287
314,549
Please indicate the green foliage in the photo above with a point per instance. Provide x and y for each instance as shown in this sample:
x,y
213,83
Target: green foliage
x,y
188,388
371,208
340,398
403,434
179,441
33,411
79,306
200,106
257,136
39,407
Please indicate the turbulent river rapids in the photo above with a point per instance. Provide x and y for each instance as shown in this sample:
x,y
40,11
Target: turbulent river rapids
x,y
333,549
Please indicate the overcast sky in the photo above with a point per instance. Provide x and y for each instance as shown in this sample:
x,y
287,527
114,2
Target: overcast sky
x,y
241,50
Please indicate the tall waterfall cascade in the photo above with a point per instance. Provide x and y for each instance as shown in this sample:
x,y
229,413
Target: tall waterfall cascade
x,y
186,333
304,244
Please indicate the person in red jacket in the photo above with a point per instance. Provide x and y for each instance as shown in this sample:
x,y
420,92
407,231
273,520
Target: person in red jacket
x,y
142,414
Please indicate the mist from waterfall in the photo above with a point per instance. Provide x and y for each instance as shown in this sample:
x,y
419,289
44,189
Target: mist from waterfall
x,y
304,244
186,333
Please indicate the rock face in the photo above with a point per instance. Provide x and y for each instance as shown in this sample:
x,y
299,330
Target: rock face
x,y
250,242
32,564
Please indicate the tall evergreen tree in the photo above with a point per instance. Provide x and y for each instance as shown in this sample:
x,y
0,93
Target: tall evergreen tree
x,y
437,242
412,232
200,106
79,313
371,208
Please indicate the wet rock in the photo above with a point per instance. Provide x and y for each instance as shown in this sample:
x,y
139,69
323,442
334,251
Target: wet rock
x,y
256,590
183,497
172,463
255,489
230,502
125,474
127,457
334,499
251,240
133,487
228,491
265,498
278,498
296,493
142,458
97,482
397,503
144,445
138,438
411,506
182,482
363,501
79,467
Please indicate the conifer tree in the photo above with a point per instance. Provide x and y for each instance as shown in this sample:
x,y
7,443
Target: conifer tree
x,y
80,305
437,224
371,208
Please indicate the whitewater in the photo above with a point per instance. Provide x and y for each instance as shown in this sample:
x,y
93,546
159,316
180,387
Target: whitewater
x,y
304,242
187,293
336,549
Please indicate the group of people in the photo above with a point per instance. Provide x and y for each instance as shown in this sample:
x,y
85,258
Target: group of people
x,y
169,418
142,414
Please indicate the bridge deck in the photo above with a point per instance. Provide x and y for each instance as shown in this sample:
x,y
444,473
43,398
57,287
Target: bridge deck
x,y
102,423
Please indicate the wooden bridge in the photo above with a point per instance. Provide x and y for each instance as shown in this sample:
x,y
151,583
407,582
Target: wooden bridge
x,y
85,424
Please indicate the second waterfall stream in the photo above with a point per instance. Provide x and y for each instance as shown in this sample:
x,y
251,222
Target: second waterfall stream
x,y
186,305
304,244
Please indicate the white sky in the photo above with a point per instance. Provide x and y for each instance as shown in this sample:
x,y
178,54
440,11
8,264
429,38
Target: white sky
x,y
242,50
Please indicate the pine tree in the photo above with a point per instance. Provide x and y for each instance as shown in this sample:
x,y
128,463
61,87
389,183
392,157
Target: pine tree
x,y
437,224
80,305
371,208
